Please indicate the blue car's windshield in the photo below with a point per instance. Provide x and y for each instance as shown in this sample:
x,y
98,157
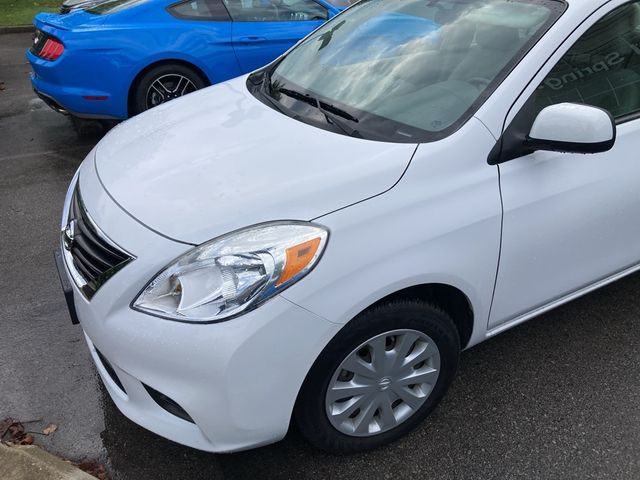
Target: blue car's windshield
x,y
341,3
113,6
406,70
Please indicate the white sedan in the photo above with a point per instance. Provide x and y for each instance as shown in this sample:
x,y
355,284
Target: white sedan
x,y
317,242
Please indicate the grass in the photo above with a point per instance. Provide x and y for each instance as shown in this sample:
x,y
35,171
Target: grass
x,y
21,12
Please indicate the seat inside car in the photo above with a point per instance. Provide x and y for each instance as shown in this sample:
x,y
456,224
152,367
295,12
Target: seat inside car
x,y
431,65
457,36
492,47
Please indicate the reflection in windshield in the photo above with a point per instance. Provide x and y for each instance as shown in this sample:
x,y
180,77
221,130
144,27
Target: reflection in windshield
x,y
326,37
342,3
421,65
113,6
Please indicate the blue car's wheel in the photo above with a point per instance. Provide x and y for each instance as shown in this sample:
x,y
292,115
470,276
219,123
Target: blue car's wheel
x,y
164,83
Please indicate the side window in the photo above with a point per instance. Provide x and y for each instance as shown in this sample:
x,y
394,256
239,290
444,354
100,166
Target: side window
x,y
275,10
212,10
603,67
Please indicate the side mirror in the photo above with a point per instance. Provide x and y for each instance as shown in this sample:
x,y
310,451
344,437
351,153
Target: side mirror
x,y
572,128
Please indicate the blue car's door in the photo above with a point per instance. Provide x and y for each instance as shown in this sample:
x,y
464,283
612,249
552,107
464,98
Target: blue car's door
x,y
264,29
204,32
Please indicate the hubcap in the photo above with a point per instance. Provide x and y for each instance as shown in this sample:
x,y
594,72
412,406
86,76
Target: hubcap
x,y
382,383
168,87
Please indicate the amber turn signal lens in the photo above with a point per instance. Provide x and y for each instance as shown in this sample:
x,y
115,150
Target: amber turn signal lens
x,y
297,258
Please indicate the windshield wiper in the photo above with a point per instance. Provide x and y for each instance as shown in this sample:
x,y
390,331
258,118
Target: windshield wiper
x,y
299,96
329,107
278,106
331,112
334,118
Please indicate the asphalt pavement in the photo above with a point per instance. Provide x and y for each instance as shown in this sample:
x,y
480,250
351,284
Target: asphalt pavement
x,y
557,398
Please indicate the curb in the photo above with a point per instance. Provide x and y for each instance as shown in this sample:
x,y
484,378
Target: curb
x,y
20,462
5,29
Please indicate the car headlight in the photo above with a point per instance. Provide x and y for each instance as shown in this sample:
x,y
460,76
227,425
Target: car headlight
x,y
233,273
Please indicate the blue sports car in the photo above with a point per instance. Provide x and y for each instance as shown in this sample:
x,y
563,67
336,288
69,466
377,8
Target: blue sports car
x,y
113,59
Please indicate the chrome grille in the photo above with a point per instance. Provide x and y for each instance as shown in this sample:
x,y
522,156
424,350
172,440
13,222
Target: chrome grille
x,y
94,258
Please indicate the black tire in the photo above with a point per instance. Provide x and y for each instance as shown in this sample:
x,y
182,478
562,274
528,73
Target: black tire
x,y
310,411
141,102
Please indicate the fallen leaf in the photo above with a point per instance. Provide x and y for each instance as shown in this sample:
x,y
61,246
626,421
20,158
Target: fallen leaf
x,y
49,429
16,430
15,433
92,468
4,426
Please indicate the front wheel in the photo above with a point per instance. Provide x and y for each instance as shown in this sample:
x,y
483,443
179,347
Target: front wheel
x,y
164,83
379,378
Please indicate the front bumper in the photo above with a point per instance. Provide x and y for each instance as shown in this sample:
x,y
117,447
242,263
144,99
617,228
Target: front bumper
x,y
238,380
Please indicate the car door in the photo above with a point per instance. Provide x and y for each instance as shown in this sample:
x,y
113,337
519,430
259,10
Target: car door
x,y
264,29
203,31
572,221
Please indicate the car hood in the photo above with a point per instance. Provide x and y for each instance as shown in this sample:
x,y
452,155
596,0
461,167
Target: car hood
x,y
218,160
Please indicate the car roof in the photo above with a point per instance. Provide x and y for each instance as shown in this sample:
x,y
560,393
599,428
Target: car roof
x,y
592,4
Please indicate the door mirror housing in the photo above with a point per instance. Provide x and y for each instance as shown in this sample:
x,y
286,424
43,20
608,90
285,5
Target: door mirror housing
x,y
564,127
572,128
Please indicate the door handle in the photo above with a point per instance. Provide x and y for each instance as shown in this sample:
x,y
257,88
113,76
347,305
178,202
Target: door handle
x,y
251,39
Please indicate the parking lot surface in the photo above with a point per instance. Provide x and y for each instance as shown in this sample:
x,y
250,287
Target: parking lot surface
x,y
557,398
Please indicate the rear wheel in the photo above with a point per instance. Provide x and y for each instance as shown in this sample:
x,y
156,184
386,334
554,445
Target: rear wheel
x,y
164,83
379,378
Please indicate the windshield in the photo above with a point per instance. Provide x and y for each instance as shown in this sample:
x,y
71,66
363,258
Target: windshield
x,y
113,6
341,3
404,70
